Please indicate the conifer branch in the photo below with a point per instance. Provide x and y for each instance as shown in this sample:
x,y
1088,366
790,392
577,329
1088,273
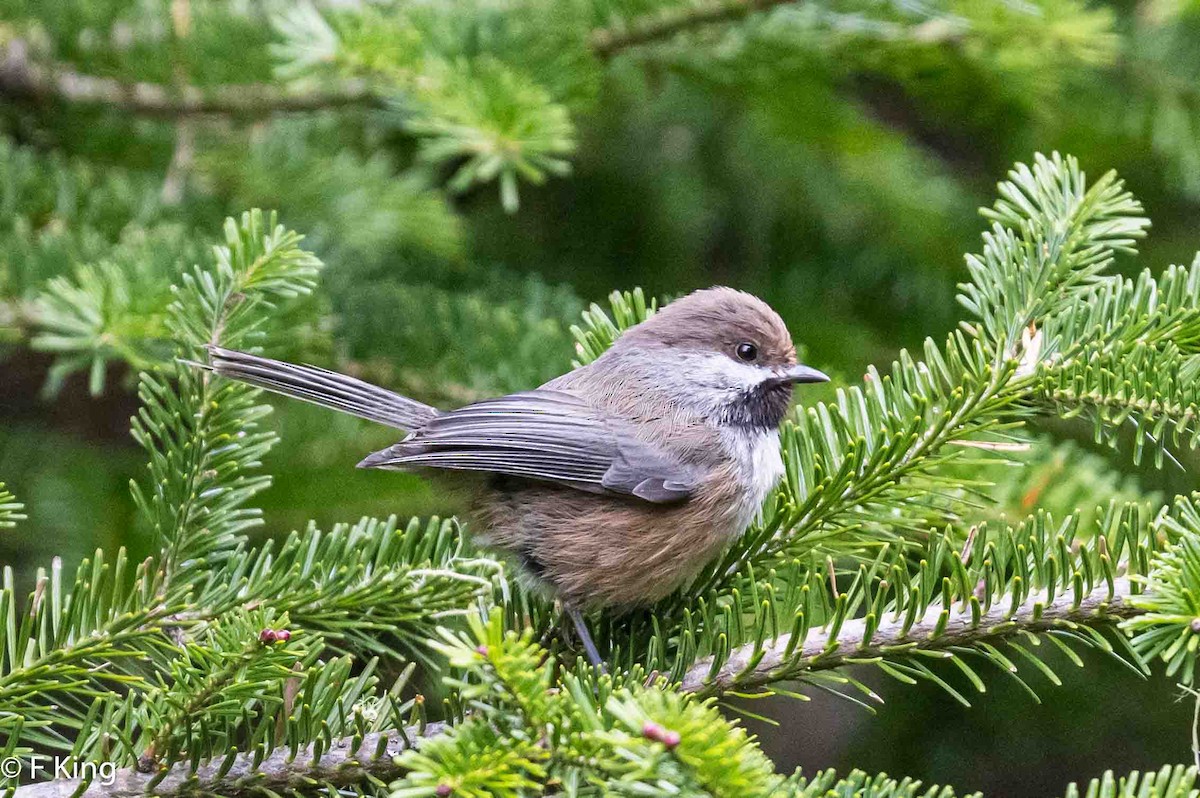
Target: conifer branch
x,y
862,474
21,77
607,42
345,763
823,649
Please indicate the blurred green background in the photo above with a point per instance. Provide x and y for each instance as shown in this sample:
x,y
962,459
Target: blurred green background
x,y
829,157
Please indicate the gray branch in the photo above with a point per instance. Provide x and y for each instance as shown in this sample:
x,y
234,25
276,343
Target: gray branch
x,y
21,77
819,651
607,42
277,773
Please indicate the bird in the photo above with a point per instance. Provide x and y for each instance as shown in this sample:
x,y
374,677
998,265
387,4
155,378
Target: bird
x,y
612,485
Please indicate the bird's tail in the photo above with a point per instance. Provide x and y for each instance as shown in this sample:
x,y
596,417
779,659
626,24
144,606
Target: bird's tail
x,y
321,387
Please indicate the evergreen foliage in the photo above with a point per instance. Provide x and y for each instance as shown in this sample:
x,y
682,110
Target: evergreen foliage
x,y
924,528
191,656
209,658
124,165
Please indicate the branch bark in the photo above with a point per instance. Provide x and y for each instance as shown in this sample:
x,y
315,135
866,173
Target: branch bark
x,y
175,181
820,651
21,78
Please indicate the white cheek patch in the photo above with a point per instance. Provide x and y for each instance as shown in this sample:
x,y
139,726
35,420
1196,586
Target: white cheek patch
x,y
720,373
704,383
715,382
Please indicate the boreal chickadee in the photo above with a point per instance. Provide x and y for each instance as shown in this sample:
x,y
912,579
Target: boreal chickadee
x,y
615,483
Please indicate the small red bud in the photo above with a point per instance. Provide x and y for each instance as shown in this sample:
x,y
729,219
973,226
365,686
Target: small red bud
x,y
652,731
444,791
267,637
419,699
283,635
482,651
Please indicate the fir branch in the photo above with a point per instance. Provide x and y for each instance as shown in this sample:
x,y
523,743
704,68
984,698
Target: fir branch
x,y
1001,582
200,432
347,762
851,465
65,647
869,468
826,649
237,775
821,651
655,26
238,664
21,77
1170,781
373,586
1168,626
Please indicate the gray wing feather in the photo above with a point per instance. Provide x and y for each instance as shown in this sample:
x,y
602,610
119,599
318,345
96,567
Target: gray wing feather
x,y
544,435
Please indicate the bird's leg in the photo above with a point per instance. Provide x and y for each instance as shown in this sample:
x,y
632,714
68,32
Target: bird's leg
x,y
585,637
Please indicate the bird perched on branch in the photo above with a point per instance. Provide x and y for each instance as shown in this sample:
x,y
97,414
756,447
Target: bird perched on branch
x,y
615,483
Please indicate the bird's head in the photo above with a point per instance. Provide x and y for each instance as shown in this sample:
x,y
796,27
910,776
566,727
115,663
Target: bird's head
x,y
723,353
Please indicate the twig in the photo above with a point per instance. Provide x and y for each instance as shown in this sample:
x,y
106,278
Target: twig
x,y
821,652
182,158
607,42
185,132
339,766
1196,732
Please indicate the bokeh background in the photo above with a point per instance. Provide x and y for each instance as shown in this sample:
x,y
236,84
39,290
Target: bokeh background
x,y
829,157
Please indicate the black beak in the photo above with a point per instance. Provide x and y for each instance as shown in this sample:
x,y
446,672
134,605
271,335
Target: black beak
x,y
800,375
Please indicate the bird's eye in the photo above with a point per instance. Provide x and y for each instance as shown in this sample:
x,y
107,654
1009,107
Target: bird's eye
x,y
747,352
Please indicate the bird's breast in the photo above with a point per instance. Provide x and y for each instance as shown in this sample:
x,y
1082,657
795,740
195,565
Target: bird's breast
x,y
757,466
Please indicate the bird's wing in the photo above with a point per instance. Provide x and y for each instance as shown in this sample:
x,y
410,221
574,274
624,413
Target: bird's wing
x,y
546,435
